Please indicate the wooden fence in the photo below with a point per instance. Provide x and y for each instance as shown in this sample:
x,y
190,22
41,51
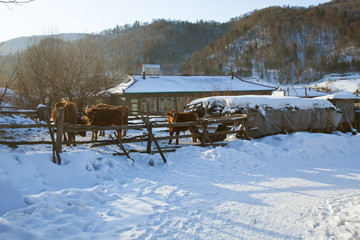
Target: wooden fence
x,y
205,135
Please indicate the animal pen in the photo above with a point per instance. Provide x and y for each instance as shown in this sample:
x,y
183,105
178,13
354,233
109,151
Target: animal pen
x,y
206,135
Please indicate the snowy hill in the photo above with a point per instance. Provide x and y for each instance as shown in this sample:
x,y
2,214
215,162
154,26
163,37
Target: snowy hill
x,y
295,186
339,82
22,43
285,44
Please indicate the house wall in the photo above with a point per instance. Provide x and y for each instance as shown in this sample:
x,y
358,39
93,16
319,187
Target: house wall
x,y
164,102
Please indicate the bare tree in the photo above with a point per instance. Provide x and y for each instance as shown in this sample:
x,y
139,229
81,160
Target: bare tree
x,y
85,74
7,80
54,69
39,71
12,77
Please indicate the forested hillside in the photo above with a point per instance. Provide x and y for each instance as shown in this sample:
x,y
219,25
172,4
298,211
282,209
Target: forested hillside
x,y
278,44
286,44
168,43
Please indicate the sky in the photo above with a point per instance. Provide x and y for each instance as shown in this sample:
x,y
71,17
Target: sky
x,y
89,16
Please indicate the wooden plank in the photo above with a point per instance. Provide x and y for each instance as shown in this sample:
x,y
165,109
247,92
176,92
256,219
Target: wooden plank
x,y
144,151
197,135
78,127
23,126
19,108
121,146
24,142
18,112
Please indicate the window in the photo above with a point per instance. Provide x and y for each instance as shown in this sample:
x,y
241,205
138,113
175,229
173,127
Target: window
x,y
181,103
134,106
148,103
166,104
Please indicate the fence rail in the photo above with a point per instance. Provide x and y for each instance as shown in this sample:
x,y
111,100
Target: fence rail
x,y
204,135
39,125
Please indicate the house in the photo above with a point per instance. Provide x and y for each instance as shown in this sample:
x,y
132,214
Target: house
x,y
153,92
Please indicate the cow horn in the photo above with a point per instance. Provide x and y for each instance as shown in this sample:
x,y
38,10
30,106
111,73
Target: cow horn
x,y
86,109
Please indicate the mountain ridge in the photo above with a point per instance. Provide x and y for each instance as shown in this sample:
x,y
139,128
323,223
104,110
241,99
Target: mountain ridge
x,y
22,43
278,44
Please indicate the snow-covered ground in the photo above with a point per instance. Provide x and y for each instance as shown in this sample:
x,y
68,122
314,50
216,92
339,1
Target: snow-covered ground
x,y
295,186
9,98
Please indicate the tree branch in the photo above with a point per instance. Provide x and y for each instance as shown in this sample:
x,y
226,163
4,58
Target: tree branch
x,y
15,2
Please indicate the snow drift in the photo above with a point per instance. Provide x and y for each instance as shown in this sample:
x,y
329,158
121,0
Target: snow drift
x,y
287,186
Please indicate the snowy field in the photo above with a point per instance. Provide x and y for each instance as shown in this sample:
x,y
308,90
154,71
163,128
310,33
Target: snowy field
x,y
295,186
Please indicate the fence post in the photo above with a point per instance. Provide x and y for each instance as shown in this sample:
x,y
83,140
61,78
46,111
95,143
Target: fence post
x,y
152,137
41,112
147,123
56,154
204,132
59,128
206,110
246,126
148,146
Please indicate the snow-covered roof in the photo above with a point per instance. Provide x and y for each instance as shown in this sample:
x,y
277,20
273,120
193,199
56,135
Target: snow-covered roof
x,y
232,103
340,95
136,84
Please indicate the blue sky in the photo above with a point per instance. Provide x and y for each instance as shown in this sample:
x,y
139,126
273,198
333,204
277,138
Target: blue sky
x,y
92,16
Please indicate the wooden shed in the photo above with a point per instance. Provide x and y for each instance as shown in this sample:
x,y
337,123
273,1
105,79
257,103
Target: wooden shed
x,y
159,94
346,102
269,115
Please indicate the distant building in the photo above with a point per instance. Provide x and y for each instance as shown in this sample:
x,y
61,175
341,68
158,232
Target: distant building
x,y
152,92
152,70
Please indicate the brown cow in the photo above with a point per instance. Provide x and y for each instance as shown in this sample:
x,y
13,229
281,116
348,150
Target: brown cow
x,y
105,117
125,117
70,116
124,122
182,117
